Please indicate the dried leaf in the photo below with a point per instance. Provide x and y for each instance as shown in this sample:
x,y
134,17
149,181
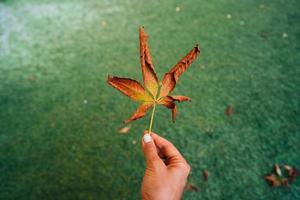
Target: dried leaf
x,y
205,175
174,113
273,180
185,62
229,111
169,103
124,129
292,172
140,112
191,188
130,88
170,79
180,98
168,84
149,75
147,95
284,182
288,169
277,170
277,179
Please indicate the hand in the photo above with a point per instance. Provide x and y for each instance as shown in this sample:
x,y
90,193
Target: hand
x,y
166,169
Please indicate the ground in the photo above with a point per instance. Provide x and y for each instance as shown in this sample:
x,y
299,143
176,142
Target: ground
x,y
59,118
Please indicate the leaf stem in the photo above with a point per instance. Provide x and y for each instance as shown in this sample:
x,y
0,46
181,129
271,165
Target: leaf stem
x,y
152,116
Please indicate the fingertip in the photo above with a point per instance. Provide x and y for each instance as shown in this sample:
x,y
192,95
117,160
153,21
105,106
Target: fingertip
x,y
149,147
147,138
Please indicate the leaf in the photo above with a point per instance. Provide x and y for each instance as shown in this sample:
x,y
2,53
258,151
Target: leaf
x,y
191,188
170,79
149,75
147,94
277,170
168,84
180,98
273,180
130,88
277,179
169,103
289,170
229,111
284,182
292,172
140,112
174,113
124,130
205,175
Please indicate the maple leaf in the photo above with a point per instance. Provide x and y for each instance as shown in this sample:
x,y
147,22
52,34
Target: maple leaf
x,y
153,93
276,178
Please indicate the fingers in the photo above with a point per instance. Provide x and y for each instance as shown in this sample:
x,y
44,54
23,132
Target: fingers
x,y
149,148
166,148
156,147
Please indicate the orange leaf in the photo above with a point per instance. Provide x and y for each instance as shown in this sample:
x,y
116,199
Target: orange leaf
x,y
149,75
205,175
129,87
180,98
229,111
170,79
140,112
169,103
273,180
168,84
277,178
174,113
147,94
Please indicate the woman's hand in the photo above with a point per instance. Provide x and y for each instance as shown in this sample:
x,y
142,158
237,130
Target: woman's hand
x,y
166,171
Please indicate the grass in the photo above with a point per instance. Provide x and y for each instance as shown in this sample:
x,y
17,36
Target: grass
x,y
59,118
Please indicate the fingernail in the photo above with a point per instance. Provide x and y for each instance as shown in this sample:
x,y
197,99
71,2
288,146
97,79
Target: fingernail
x,y
147,138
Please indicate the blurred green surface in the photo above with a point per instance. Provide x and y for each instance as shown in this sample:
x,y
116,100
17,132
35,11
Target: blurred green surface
x,y
59,118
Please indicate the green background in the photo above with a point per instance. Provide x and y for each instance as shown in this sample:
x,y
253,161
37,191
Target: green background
x,y
59,119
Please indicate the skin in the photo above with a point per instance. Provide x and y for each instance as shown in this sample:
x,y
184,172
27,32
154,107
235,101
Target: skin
x,y
166,170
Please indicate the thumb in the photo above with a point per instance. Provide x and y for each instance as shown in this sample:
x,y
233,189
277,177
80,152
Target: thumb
x,y
149,147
